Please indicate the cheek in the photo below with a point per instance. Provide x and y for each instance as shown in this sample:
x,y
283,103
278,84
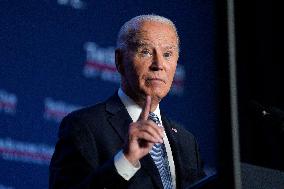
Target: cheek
x,y
171,70
136,74
140,70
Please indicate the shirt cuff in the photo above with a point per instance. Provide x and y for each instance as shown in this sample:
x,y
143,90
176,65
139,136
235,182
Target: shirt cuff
x,y
124,167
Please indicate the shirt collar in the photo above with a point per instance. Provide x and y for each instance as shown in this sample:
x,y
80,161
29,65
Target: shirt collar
x,y
133,109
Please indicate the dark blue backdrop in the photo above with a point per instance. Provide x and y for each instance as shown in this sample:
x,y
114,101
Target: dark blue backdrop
x,y
57,56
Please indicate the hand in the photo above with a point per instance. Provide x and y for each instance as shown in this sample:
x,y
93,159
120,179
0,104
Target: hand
x,y
142,135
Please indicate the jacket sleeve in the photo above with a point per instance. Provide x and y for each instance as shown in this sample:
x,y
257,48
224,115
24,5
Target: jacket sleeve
x,y
71,169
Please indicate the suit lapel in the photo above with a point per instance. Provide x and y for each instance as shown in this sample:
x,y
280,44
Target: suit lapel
x,y
172,137
119,119
149,166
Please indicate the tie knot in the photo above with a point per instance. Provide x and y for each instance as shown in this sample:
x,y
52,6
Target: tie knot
x,y
154,118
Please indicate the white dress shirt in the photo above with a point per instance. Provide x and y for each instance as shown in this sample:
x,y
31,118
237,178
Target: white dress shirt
x,y
122,165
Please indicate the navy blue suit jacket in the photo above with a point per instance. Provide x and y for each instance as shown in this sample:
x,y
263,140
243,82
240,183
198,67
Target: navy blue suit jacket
x,y
89,138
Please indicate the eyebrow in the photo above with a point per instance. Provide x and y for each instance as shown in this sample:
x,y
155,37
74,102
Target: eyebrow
x,y
140,44
143,43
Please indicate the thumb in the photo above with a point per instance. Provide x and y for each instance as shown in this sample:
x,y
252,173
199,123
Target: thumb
x,y
146,109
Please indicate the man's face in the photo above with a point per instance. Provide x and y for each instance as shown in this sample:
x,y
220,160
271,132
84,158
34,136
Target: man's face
x,y
150,62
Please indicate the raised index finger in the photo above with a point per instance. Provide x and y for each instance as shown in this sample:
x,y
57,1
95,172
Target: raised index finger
x,y
146,109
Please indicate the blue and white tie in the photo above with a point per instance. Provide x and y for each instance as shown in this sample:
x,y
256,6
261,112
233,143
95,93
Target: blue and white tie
x,y
159,155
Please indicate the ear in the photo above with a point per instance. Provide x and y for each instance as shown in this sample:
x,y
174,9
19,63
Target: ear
x,y
119,61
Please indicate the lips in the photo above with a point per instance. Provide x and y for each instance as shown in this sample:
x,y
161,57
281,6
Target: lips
x,y
154,79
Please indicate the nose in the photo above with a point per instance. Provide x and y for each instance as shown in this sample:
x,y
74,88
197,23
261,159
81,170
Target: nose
x,y
157,62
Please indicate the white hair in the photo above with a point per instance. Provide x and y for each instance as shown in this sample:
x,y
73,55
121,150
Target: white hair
x,y
130,28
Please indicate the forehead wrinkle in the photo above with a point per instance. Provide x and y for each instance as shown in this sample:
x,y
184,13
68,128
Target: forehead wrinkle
x,y
134,39
145,41
143,44
139,38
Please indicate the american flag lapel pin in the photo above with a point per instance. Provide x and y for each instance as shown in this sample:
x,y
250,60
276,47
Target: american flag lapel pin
x,y
175,130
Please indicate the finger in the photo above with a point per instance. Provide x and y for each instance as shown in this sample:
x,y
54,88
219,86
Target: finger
x,y
147,144
148,137
153,133
159,129
152,128
146,109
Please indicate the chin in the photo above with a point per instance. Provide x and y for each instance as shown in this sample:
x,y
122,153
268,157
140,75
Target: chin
x,y
158,94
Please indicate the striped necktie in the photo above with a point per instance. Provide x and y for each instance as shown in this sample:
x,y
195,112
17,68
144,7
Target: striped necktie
x,y
159,155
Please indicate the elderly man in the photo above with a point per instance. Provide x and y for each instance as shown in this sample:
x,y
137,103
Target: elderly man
x,y
125,142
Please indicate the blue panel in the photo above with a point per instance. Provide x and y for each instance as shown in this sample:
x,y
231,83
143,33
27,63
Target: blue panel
x,y
57,56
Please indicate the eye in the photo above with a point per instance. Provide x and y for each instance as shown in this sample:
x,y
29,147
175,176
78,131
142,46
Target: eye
x,y
167,54
145,52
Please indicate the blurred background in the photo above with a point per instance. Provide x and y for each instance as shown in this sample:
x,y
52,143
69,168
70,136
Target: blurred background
x,y
57,56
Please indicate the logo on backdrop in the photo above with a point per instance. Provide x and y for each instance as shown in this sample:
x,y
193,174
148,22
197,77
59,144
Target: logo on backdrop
x,y
56,110
8,102
100,63
13,150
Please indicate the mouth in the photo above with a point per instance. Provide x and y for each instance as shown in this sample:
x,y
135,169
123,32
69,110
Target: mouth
x,y
155,80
